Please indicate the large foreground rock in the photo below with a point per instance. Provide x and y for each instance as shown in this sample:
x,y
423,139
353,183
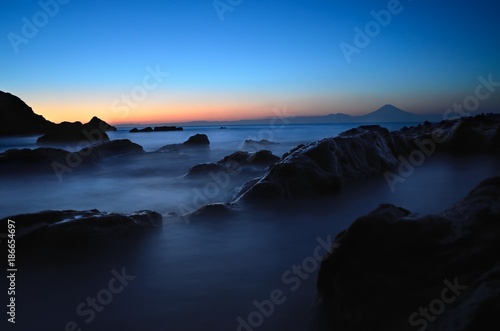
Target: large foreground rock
x,y
62,230
323,167
17,118
391,270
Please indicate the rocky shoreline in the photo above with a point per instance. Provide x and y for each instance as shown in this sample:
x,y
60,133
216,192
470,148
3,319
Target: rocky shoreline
x,y
393,270
387,271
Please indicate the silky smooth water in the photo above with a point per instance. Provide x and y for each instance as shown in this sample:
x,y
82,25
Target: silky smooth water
x,y
204,275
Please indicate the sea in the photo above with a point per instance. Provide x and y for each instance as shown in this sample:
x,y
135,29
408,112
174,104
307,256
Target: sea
x,y
255,270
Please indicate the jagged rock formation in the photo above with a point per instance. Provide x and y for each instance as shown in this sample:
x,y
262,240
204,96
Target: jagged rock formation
x,y
93,132
235,163
45,159
323,167
51,231
17,118
198,140
391,270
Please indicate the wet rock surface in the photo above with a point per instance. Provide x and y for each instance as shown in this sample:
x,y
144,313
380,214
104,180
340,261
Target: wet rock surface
x,y
323,167
392,270
50,231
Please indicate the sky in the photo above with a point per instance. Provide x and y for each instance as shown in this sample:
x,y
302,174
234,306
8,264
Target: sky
x,y
180,60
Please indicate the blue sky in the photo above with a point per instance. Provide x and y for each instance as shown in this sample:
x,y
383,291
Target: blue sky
x,y
263,54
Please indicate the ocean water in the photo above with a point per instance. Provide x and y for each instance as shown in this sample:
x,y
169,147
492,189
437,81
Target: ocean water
x,y
205,275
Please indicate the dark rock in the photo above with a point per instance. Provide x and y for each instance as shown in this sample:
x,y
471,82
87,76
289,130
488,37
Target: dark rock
x,y
204,169
262,142
167,128
323,167
468,138
52,231
90,133
29,160
234,163
97,123
390,263
495,141
46,160
215,210
17,118
197,140
262,157
147,129
43,160
157,129
114,148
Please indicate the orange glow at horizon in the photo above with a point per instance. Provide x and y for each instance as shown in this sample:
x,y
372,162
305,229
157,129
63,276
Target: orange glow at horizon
x,y
168,113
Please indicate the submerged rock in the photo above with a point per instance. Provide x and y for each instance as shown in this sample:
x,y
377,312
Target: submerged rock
x,y
234,163
214,210
60,230
198,140
43,160
39,160
390,265
114,148
262,142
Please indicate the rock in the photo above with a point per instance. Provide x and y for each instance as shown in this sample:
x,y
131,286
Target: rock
x,y
167,128
390,263
262,157
203,169
495,141
112,149
34,160
157,129
85,134
215,210
46,160
17,118
234,163
325,166
197,140
97,123
262,142
53,231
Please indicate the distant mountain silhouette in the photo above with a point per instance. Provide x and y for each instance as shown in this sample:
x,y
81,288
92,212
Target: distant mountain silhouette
x,y
387,113
17,118
390,113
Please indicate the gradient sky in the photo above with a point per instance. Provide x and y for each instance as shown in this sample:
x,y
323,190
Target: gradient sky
x,y
263,55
